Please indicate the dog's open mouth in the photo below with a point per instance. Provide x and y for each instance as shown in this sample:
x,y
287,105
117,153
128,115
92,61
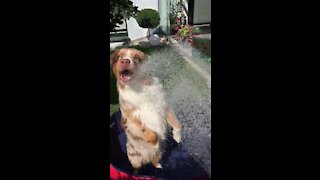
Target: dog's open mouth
x,y
125,75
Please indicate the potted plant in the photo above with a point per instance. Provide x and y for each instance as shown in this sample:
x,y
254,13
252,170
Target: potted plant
x,y
185,34
148,18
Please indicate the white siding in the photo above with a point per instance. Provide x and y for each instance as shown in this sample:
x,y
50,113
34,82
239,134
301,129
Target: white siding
x,y
134,30
202,11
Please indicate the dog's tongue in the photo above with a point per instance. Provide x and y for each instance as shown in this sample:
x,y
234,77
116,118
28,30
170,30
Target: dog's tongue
x,y
125,77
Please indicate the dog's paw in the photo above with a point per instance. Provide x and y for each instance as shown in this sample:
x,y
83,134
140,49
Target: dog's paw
x,y
158,166
177,135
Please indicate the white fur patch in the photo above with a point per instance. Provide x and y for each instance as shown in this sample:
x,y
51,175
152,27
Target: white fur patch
x,y
150,103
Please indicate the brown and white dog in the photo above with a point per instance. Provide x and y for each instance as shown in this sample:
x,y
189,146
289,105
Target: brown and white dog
x,y
145,113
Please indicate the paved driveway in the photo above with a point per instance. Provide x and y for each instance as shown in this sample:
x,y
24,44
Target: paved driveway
x,y
190,97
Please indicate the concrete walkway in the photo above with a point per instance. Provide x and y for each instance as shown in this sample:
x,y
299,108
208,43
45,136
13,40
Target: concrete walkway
x,y
187,55
204,36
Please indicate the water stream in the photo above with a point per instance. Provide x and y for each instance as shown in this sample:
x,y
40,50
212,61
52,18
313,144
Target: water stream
x,y
188,94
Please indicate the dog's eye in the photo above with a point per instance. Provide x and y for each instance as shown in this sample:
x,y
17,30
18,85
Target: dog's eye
x,y
136,59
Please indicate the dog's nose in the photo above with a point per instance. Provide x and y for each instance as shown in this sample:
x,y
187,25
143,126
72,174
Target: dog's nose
x,y
125,61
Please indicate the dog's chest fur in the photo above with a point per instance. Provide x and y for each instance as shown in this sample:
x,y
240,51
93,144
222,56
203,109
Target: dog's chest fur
x,y
149,102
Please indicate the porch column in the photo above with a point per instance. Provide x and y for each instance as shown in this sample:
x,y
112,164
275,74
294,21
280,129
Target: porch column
x,y
164,15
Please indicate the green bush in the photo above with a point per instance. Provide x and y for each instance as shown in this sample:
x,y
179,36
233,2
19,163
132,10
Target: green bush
x,y
148,18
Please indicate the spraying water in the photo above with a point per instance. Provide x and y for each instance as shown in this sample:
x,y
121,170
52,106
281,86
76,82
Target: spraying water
x,y
189,96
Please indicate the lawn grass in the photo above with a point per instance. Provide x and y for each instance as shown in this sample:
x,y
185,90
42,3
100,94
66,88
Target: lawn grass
x,y
120,37
114,97
203,46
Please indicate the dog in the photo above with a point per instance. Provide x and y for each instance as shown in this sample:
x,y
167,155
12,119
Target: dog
x,y
146,117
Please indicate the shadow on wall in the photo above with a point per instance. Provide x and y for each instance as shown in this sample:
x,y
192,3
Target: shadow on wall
x,y
152,31
161,32
157,30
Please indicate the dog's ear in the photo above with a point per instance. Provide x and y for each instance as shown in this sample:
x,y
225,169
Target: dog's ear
x,y
114,57
141,56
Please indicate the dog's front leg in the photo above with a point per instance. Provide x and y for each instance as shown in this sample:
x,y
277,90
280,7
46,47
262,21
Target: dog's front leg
x,y
175,124
139,131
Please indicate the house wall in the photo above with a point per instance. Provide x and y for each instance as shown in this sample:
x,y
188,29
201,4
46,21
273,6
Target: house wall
x,y
202,11
134,30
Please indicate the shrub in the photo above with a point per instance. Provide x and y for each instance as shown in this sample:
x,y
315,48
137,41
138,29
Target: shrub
x,y
202,45
148,18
